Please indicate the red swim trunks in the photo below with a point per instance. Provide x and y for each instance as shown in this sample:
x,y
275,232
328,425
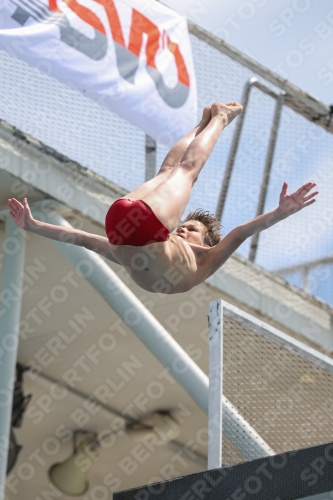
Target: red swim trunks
x,y
133,223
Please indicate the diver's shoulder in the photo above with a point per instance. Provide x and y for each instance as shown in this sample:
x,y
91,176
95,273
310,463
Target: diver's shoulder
x,y
192,251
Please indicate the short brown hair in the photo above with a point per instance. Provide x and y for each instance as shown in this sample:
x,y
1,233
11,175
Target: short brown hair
x,y
213,226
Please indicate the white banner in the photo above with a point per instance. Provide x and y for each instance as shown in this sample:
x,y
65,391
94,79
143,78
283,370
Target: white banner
x,y
131,56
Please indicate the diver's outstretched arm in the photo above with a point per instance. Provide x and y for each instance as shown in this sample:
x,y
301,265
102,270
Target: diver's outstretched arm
x,y
22,216
288,204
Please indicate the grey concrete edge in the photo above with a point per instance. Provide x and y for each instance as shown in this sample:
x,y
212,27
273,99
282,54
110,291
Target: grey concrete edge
x,y
55,175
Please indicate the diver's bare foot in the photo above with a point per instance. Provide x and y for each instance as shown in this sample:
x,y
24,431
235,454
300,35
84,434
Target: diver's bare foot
x,y
206,117
229,110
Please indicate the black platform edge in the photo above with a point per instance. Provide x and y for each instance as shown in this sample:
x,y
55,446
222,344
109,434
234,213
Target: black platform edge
x,y
287,476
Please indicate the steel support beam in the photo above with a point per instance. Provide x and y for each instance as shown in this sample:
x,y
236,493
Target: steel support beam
x,y
11,279
267,171
158,340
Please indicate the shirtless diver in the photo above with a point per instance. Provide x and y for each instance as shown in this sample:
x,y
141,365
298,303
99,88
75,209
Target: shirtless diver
x,y
139,225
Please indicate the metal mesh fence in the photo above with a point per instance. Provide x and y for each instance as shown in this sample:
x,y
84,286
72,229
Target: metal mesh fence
x,y
283,396
65,120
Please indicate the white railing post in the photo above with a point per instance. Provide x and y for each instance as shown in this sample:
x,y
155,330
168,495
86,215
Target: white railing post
x,y
215,384
223,416
11,279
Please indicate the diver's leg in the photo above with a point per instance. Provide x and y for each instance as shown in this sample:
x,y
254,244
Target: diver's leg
x,y
169,199
173,157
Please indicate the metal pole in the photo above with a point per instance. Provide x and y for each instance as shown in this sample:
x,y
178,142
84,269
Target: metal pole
x,y
215,384
233,150
306,280
11,279
267,170
310,264
159,341
150,171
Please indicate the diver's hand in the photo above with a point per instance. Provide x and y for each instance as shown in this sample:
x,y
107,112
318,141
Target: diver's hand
x,y
21,214
292,203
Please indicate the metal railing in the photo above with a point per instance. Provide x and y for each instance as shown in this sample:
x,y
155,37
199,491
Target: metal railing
x,y
273,391
279,97
304,269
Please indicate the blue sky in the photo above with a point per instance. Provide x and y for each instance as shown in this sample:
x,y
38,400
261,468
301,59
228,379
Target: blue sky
x,y
292,37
